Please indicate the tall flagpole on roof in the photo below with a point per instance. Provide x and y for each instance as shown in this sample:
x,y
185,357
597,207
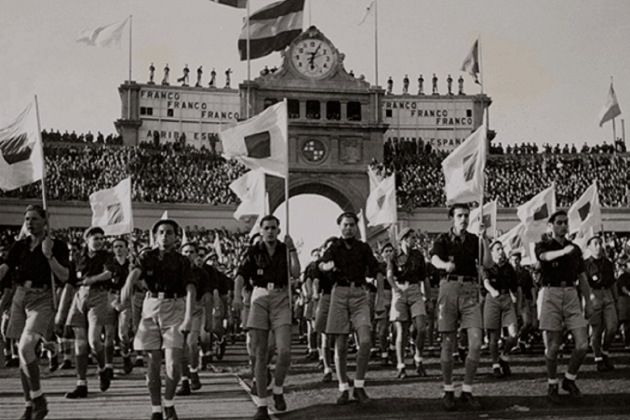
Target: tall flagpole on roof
x,y
376,42
129,80
248,63
613,120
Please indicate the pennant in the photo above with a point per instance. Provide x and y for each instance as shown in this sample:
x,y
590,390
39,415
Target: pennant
x,y
463,169
111,209
586,212
489,219
471,62
368,12
611,107
104,36
21,153
217,246
362,227
380,208
184,237
539,208
164,215
260,143
239,4
250,189
271,28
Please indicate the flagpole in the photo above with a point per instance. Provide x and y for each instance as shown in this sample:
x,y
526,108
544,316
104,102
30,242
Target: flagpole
x,y
286,200
613,119
44,201
248,64
129,81
376,41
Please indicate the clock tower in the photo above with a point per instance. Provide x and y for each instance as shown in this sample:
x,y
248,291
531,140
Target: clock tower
x,y
335,121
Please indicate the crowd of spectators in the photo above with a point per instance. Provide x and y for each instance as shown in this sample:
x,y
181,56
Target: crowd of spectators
x,y
54,136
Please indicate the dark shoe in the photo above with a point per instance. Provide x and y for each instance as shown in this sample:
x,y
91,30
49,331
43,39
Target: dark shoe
x,y
80,391
601,366
505,367
53,363
195,383
66,365
609,364
344,398
157,416
327,378
360,395
170,413
552,394
569,386
496,372
468,399
279,402
262,414
420,370
127,365
139,363
40,408
312,356
104,378
402,374
448,401
461,351
111,374
27,414
183,389
12,362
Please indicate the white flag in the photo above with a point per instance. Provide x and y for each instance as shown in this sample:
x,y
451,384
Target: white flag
x,y
586,211
164,215
21,153
256,226
471,62
368,12
611,107
489,219
103,36
111,209
514,240
260,142
463,169
250,189
380,208
539,208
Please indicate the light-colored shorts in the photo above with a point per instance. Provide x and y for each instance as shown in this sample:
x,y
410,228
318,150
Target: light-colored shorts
x,y
247,301
348,304
498,312
321,314
604,308
137,300
458,301
560,307
197,317
408,303
159,324
623,307
269,309
90,307
387,304
31,311
309,310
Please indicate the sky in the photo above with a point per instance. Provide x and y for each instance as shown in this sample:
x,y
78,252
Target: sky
x,y
546,64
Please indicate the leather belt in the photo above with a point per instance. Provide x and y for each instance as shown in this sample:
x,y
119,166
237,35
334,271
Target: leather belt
x,y
451,277
562,285
270,286
351,284
164,295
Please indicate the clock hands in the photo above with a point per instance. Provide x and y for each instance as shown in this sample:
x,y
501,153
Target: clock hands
x,y
313,54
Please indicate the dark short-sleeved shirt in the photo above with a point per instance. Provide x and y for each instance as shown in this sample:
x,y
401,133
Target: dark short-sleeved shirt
x,y
599,272
325,281
33,265
120,272
502,277
169,274
413,270
383,268
564,269
213,278
202,282
91,266
463,251
351,264
525,282
263,268
624,281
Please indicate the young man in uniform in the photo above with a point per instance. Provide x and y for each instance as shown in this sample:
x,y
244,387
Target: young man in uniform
x,y
348,260
203,305
166,313
407,276
526,305
119,266
384,312
455,254
90,310
600,273
499,309
561,266
309,308
34,260
267,265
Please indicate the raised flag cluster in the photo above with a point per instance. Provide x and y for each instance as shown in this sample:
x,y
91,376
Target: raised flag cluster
x,y
271,28
21,153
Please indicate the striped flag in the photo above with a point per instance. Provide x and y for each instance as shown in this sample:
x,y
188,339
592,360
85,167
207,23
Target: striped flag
x,y
239,4
471,62
21,153
611,107
271,28
103,36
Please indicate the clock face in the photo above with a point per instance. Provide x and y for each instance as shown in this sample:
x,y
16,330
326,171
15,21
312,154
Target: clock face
x,y
313,58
